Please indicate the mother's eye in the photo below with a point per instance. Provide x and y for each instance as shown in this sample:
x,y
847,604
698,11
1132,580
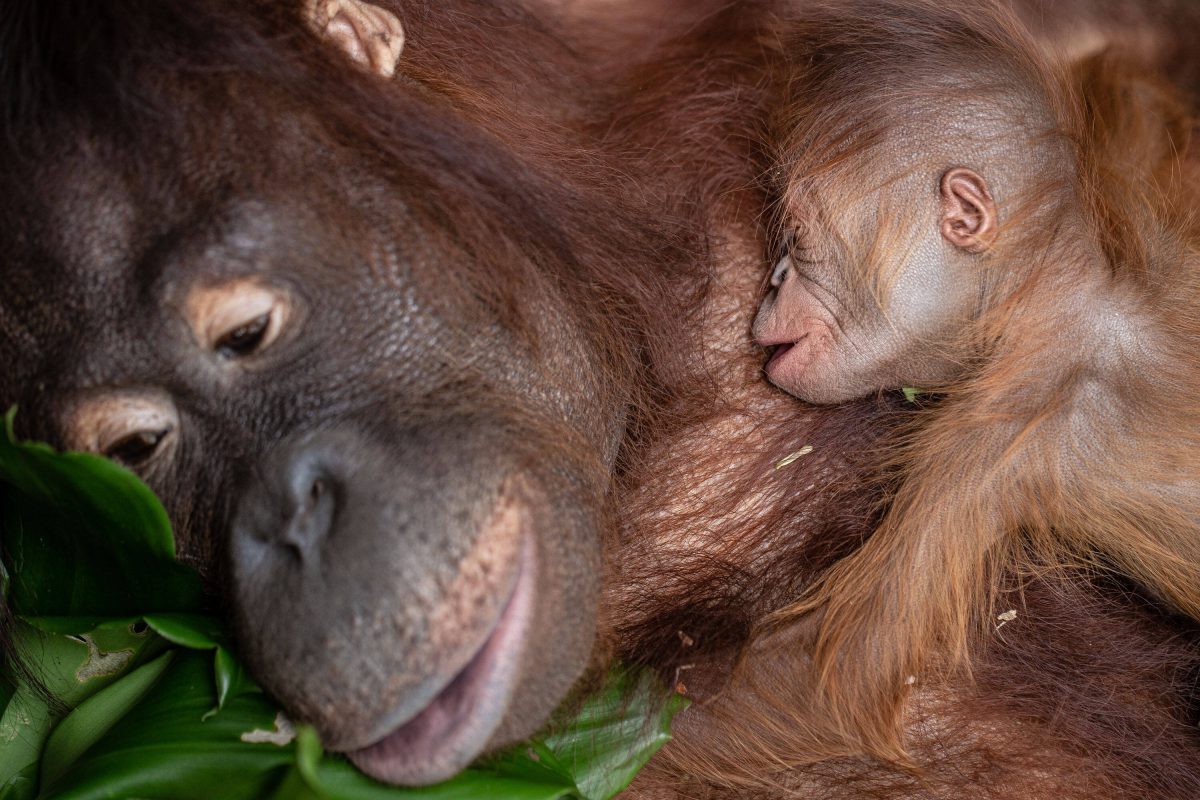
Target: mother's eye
x,y
136,427
244,339
240,318
136,449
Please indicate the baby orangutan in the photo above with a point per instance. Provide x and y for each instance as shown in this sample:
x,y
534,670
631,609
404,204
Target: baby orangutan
x,y
973,219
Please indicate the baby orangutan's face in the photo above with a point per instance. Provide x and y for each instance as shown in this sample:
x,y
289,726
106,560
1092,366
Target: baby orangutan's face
x,y
833,337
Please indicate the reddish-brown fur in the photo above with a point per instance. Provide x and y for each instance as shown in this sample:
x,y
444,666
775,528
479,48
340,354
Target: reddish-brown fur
x,y
1044,434
698,117
1087,694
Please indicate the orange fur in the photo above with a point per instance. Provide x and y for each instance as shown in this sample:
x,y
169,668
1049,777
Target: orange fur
x,y
1073,435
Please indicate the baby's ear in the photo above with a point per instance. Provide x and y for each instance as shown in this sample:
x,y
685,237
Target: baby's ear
x,y
969,218
371,36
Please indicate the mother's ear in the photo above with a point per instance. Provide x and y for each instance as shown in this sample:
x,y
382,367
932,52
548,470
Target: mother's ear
x,y
371,36
970,221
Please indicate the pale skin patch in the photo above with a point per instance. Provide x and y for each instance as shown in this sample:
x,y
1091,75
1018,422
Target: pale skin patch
x,y
118,424
370,36
480,586
822,358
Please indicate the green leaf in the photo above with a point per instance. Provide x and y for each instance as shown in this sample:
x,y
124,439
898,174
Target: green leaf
x,y
84,726
84,537
231,678
308,754
194,631
24,727
338,780
163,746
73,626
71,668
911,393
22,786
604,746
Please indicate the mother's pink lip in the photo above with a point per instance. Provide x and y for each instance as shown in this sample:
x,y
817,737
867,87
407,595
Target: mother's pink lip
x,y
449,732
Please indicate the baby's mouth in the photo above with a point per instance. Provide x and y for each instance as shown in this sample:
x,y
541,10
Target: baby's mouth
x,y
780,350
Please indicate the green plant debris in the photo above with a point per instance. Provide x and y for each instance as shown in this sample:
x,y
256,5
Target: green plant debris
x,y
136,691
911,393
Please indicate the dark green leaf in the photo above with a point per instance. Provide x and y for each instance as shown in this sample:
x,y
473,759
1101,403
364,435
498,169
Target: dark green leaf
x,y
71,668
194,631
22,786
164,746
230,676
606,743
84,537
338,780
24,727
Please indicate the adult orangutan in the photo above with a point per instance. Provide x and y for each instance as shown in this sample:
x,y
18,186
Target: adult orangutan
x,y
377,364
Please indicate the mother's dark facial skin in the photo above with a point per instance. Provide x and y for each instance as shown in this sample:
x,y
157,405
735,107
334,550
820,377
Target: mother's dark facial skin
x,y
346,363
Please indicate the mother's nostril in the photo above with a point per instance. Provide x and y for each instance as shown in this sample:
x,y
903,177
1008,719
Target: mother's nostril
x,y
308,513
292,509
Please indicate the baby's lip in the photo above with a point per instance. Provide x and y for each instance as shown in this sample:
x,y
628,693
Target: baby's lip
x,y
790,358
795,350
781,349
777,340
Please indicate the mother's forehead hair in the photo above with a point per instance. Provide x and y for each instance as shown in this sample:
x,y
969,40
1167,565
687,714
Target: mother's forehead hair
x,y
145,81
161,72
231,78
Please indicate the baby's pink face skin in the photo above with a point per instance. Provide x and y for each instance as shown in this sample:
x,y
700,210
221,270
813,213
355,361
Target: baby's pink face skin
x,y
833,340
801,329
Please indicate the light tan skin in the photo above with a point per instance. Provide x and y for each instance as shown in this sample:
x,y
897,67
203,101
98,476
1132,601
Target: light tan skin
x,y
371,36
831,345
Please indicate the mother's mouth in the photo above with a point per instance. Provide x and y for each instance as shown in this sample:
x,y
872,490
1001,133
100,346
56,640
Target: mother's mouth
x,y
457,724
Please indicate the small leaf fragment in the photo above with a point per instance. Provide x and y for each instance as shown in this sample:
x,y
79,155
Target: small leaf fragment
x,y
1006,617
794,457
281,736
